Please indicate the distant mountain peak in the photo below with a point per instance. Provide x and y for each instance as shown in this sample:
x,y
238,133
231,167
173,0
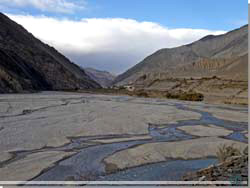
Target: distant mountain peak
x,y
104,78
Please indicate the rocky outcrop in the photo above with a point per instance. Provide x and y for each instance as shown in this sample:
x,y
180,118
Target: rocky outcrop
x,y
27,64
222,55
104,78
234,169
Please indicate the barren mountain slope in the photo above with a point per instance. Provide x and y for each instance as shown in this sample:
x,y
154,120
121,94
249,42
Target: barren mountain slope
x,y
212,55
104,78
28,64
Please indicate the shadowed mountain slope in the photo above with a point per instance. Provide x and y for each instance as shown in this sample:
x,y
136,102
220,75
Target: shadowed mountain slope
x,y
27,64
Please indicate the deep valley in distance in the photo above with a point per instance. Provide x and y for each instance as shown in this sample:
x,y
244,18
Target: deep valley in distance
x,y
181,114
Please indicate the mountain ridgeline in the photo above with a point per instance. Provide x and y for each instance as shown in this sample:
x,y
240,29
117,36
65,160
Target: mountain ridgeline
x,y
27,64
225,56
104,78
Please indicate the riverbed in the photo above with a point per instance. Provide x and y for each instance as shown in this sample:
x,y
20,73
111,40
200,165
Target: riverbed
x,y
60,136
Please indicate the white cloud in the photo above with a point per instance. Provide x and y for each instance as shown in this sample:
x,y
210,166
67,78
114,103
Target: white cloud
x,y
112,44
61,6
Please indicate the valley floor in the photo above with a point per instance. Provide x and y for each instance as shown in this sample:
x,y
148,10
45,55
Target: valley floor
x,y
58,136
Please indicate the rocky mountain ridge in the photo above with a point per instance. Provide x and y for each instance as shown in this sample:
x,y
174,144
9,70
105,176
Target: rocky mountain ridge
x,y
104,78
220,55
27,64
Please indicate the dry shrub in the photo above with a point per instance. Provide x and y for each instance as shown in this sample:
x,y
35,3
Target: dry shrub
x,y
225,152
192,96
142,93
186,96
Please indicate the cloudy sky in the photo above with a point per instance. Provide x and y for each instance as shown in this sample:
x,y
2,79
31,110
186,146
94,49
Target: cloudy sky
x,y
114,35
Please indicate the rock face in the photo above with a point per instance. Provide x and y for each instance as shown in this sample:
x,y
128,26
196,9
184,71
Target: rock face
x,y
27,64
223,55
104,78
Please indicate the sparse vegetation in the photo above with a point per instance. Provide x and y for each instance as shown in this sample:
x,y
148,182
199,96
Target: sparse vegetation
x,y
189,96
225,152
163,94
144,77
119,91
142,94
186,96
192,97
235,102
232,163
